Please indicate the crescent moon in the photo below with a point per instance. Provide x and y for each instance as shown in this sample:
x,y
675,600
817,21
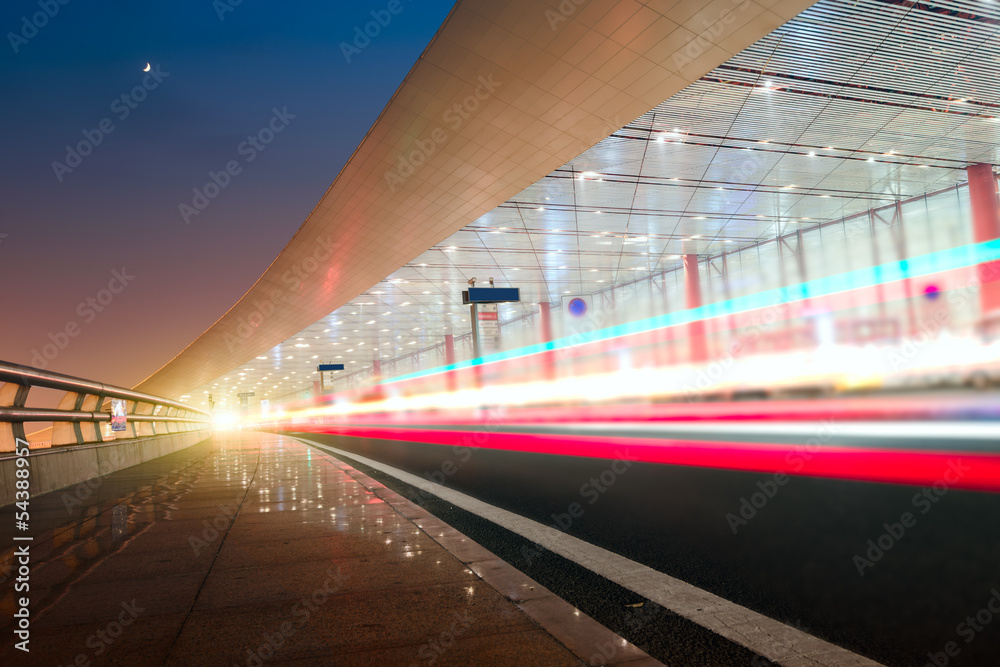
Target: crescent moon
x,y
147,68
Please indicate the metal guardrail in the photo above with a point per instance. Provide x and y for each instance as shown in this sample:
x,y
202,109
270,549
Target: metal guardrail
x,y
78,418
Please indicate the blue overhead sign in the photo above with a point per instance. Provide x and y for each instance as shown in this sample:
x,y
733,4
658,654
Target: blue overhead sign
x,y
492,294
322,368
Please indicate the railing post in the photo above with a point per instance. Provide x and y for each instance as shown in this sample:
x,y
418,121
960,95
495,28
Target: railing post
x,y
12,395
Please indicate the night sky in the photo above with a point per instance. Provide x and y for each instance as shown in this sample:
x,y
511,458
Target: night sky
x,y
64,230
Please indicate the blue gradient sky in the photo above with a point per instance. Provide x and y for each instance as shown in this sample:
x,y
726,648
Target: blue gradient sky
x,y
119,207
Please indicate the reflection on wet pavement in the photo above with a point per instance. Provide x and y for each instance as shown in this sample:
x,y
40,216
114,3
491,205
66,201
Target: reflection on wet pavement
x,y
194,557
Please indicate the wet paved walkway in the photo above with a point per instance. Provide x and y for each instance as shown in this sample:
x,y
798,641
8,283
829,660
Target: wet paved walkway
x,y
254,548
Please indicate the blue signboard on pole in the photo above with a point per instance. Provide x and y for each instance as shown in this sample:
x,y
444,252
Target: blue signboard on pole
x,y
491,294
322,368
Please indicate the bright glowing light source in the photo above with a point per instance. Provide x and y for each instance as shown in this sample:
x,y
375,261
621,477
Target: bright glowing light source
x,y
302,345
224,420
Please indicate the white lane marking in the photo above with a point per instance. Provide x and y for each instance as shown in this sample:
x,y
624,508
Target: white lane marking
x,y
772,639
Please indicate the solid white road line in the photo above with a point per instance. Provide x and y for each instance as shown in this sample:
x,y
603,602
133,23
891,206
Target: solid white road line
x,y
772,639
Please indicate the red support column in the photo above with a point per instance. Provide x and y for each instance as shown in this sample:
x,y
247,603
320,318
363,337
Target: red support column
x,y
986,227
548,357
449,358
546,313
377,392
692,299
449,349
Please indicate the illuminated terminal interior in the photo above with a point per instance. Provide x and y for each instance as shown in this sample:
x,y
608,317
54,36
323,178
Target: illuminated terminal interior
x,y
747,181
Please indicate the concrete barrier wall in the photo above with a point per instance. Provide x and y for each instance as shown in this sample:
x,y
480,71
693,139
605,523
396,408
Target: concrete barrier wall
x,y
59,467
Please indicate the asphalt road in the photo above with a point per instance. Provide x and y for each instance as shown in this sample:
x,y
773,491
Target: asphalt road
x,y
795,549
